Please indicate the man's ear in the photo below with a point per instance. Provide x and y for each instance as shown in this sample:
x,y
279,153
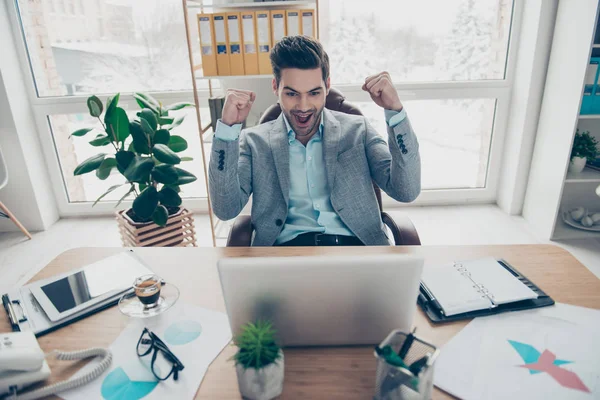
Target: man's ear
x,y
274,85
328,85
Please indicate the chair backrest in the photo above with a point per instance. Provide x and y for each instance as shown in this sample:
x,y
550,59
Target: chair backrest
x,y
3,171
335,101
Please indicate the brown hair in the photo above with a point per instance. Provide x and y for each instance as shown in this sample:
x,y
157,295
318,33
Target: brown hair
x,y
301,52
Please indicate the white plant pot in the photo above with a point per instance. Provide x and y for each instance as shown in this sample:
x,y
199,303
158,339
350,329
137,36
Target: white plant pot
x,y
577,164
261,384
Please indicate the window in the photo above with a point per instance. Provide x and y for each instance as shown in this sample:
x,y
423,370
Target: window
x,y
449,62
133,46
104,47
417,41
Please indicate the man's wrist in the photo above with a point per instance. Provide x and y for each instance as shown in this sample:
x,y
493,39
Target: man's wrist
x,y
228,123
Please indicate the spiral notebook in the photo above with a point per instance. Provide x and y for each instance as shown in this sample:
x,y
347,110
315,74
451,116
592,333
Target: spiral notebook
x,y
476,285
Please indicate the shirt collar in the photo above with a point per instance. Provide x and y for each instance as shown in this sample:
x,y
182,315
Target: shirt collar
x,y
292,134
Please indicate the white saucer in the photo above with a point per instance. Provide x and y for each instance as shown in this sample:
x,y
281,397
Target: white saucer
x,y
131,306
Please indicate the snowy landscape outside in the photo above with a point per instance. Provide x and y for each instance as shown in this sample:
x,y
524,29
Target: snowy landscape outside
x,y
109,46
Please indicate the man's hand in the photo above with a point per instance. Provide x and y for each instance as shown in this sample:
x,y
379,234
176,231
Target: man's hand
x,y
238,104
382,91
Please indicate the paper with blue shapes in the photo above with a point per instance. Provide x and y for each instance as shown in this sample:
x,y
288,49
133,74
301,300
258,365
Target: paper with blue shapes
x,y
195,335
530,355
118,386
183,332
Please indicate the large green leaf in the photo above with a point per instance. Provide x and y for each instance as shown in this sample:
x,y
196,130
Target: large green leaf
x,y
147,101
184,176
162,136
119,125
124,158
89,165
160,216
149,116
111,106
145,204
176,123
140,140
131,190
178,106
169,197
139,169
94,106
81,132
104,170
165,173
165,120
177,144
165,154
147,128
101,140
110,190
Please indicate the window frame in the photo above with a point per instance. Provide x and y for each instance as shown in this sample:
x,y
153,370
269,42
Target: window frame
x,y
500,89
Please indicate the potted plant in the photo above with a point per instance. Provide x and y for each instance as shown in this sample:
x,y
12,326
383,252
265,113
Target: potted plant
x,y
145,153
259,362
584,149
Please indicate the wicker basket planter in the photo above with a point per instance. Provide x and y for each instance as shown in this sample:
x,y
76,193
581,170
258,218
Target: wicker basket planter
x,y
179,231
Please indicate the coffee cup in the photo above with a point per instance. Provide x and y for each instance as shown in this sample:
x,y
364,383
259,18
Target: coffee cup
x,y
147,289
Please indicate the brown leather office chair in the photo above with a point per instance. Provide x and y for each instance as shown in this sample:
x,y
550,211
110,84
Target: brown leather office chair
x,y
402,228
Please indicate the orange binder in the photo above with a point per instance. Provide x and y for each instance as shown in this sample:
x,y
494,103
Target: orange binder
x,y
207,45
292,22
234,34
222,44
278,28
263,36
308,23
250,46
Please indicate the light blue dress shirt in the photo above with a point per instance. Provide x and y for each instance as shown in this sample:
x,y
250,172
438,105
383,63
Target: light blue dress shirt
x,y
310,208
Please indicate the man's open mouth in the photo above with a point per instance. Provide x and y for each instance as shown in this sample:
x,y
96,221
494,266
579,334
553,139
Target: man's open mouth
x,y
303,120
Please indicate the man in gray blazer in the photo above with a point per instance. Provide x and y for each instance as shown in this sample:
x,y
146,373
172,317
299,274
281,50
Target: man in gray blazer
x,y
311,169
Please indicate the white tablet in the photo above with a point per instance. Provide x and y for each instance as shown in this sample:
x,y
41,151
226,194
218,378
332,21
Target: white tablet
x,y
69,293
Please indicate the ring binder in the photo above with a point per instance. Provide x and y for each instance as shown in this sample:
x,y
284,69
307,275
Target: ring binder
x,y
432,308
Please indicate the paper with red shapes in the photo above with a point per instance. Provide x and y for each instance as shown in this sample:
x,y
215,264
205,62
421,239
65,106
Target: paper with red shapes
x,y
548,353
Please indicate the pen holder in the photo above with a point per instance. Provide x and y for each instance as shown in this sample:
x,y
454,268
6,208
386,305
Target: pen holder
x,y
395,383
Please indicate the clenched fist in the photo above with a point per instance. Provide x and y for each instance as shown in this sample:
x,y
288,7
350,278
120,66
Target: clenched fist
x,y
382,91
238,104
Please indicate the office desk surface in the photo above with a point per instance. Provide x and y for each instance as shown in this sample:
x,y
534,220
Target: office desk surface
x,y
331,373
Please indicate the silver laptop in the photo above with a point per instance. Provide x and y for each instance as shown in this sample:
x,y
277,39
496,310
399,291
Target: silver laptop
x,y
323,300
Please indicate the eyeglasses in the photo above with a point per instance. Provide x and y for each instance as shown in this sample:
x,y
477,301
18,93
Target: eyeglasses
x,y
164,363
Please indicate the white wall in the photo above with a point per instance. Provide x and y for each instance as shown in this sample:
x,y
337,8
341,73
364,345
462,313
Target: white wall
x,y
28,194
536,33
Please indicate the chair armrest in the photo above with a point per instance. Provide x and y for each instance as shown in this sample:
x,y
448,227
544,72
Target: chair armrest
x,y
241,232
403,230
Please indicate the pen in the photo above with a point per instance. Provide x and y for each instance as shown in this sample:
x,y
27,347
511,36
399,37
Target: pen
x,y
432,301
418,365
410,338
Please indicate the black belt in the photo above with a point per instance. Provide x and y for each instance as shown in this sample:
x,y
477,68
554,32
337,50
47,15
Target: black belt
x,y
320,239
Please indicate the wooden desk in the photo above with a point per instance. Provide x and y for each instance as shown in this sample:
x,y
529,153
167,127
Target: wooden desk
x,y
332,373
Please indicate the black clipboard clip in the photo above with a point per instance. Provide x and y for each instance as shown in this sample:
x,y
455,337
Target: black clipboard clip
x,y
10,307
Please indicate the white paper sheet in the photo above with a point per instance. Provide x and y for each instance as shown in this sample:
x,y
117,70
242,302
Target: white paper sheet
x,y
487,359
195,335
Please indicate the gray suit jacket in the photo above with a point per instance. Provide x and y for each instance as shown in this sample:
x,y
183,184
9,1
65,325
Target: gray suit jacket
x,y
258,163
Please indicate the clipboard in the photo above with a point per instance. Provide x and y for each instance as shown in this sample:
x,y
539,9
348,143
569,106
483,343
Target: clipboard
x,y
26,314
435,314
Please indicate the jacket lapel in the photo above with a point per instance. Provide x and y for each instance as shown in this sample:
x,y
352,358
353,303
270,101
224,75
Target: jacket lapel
x,y
331,140
280,148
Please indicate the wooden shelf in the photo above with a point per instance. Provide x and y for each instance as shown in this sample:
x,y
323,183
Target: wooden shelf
x,y
270,4
588,175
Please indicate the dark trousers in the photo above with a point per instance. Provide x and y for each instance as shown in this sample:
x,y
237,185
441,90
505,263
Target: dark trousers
x,y
320,239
